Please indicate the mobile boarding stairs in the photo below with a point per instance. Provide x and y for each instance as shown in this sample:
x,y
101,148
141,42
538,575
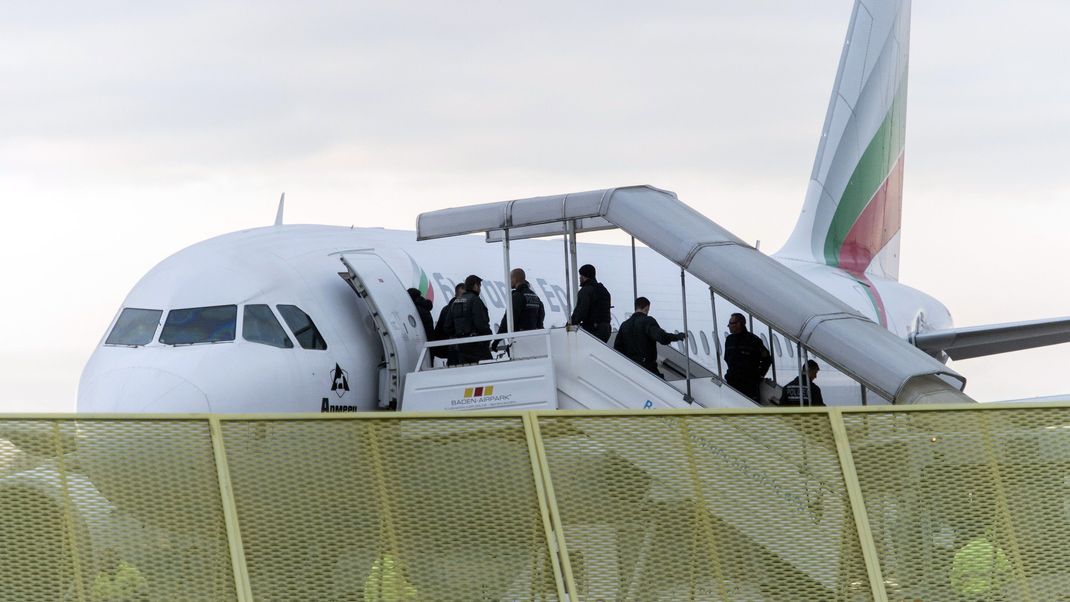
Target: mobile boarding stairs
x,y
563,368
560,368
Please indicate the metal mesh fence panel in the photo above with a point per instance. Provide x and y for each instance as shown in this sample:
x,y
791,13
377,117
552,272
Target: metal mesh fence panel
x,y
968,505
704,507
389,509
111,510
963,505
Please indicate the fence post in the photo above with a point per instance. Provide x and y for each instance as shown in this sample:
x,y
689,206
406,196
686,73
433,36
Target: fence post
x,y
68,517
1003,511
531,426
230,514
700,506
858,506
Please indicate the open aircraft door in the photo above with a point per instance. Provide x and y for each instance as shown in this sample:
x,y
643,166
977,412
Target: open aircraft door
x,y
395,318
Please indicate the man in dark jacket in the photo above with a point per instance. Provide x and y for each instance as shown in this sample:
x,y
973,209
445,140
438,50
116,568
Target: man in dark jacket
x,y
747,358
468,318
423,308
443,320
443,316
794,395
528,312
639,336
592,305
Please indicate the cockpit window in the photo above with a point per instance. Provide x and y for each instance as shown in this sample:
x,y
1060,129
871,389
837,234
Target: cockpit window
x,y
134,327
200,325
308,336
260,326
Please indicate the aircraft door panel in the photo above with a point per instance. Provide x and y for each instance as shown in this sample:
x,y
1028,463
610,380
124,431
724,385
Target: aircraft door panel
x,y
394,317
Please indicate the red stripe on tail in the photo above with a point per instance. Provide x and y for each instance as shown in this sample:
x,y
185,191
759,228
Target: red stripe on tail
x,y
876,225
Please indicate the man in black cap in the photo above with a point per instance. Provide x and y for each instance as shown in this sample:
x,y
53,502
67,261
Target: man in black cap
x,y
639,336
468,317
747,358
528,312
795,395
592,305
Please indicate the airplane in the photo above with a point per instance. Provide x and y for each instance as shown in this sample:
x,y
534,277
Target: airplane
x,y
260,321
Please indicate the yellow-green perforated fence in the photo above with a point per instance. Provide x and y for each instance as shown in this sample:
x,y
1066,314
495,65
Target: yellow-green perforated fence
x,y
902,504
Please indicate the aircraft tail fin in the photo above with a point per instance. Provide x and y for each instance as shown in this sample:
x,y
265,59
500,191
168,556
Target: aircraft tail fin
x,y
851,216
278,212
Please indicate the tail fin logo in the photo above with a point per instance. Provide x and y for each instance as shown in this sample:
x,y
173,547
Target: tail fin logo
x,y
852,215
869,213
421,282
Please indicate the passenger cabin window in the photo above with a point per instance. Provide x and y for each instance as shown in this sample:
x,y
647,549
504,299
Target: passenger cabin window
x,y
260,326
776,345
200,325
135,327
705,342
691,342
308,336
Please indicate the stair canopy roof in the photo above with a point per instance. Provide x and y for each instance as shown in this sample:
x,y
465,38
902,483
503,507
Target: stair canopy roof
x,y
791,304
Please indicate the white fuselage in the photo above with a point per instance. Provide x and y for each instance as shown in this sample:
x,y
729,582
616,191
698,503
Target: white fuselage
x,y
300,265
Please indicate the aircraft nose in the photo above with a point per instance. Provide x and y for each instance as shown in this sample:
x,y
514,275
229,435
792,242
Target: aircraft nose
x,y
141,390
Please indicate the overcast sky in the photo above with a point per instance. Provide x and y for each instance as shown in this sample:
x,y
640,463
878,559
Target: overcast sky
x,y
130,130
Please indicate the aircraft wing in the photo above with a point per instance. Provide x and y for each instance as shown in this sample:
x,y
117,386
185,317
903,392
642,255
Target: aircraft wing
x,y
1042,399
977,341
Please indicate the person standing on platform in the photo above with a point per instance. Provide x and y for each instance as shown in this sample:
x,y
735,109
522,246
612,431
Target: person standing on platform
x,y
423,308
747,358
528,312
468,318
443,320
639,336
795,395
593,303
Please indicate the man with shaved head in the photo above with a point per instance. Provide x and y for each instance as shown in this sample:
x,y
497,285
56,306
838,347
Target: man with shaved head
x,y
746,356
528,312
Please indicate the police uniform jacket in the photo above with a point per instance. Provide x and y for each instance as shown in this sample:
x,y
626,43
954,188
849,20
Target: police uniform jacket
x,y
792,394
592,308
468,317
443,320
440,330
638,338
528,312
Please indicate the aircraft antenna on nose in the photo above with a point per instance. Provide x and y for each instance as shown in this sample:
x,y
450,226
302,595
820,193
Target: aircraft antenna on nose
x,y
282,205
